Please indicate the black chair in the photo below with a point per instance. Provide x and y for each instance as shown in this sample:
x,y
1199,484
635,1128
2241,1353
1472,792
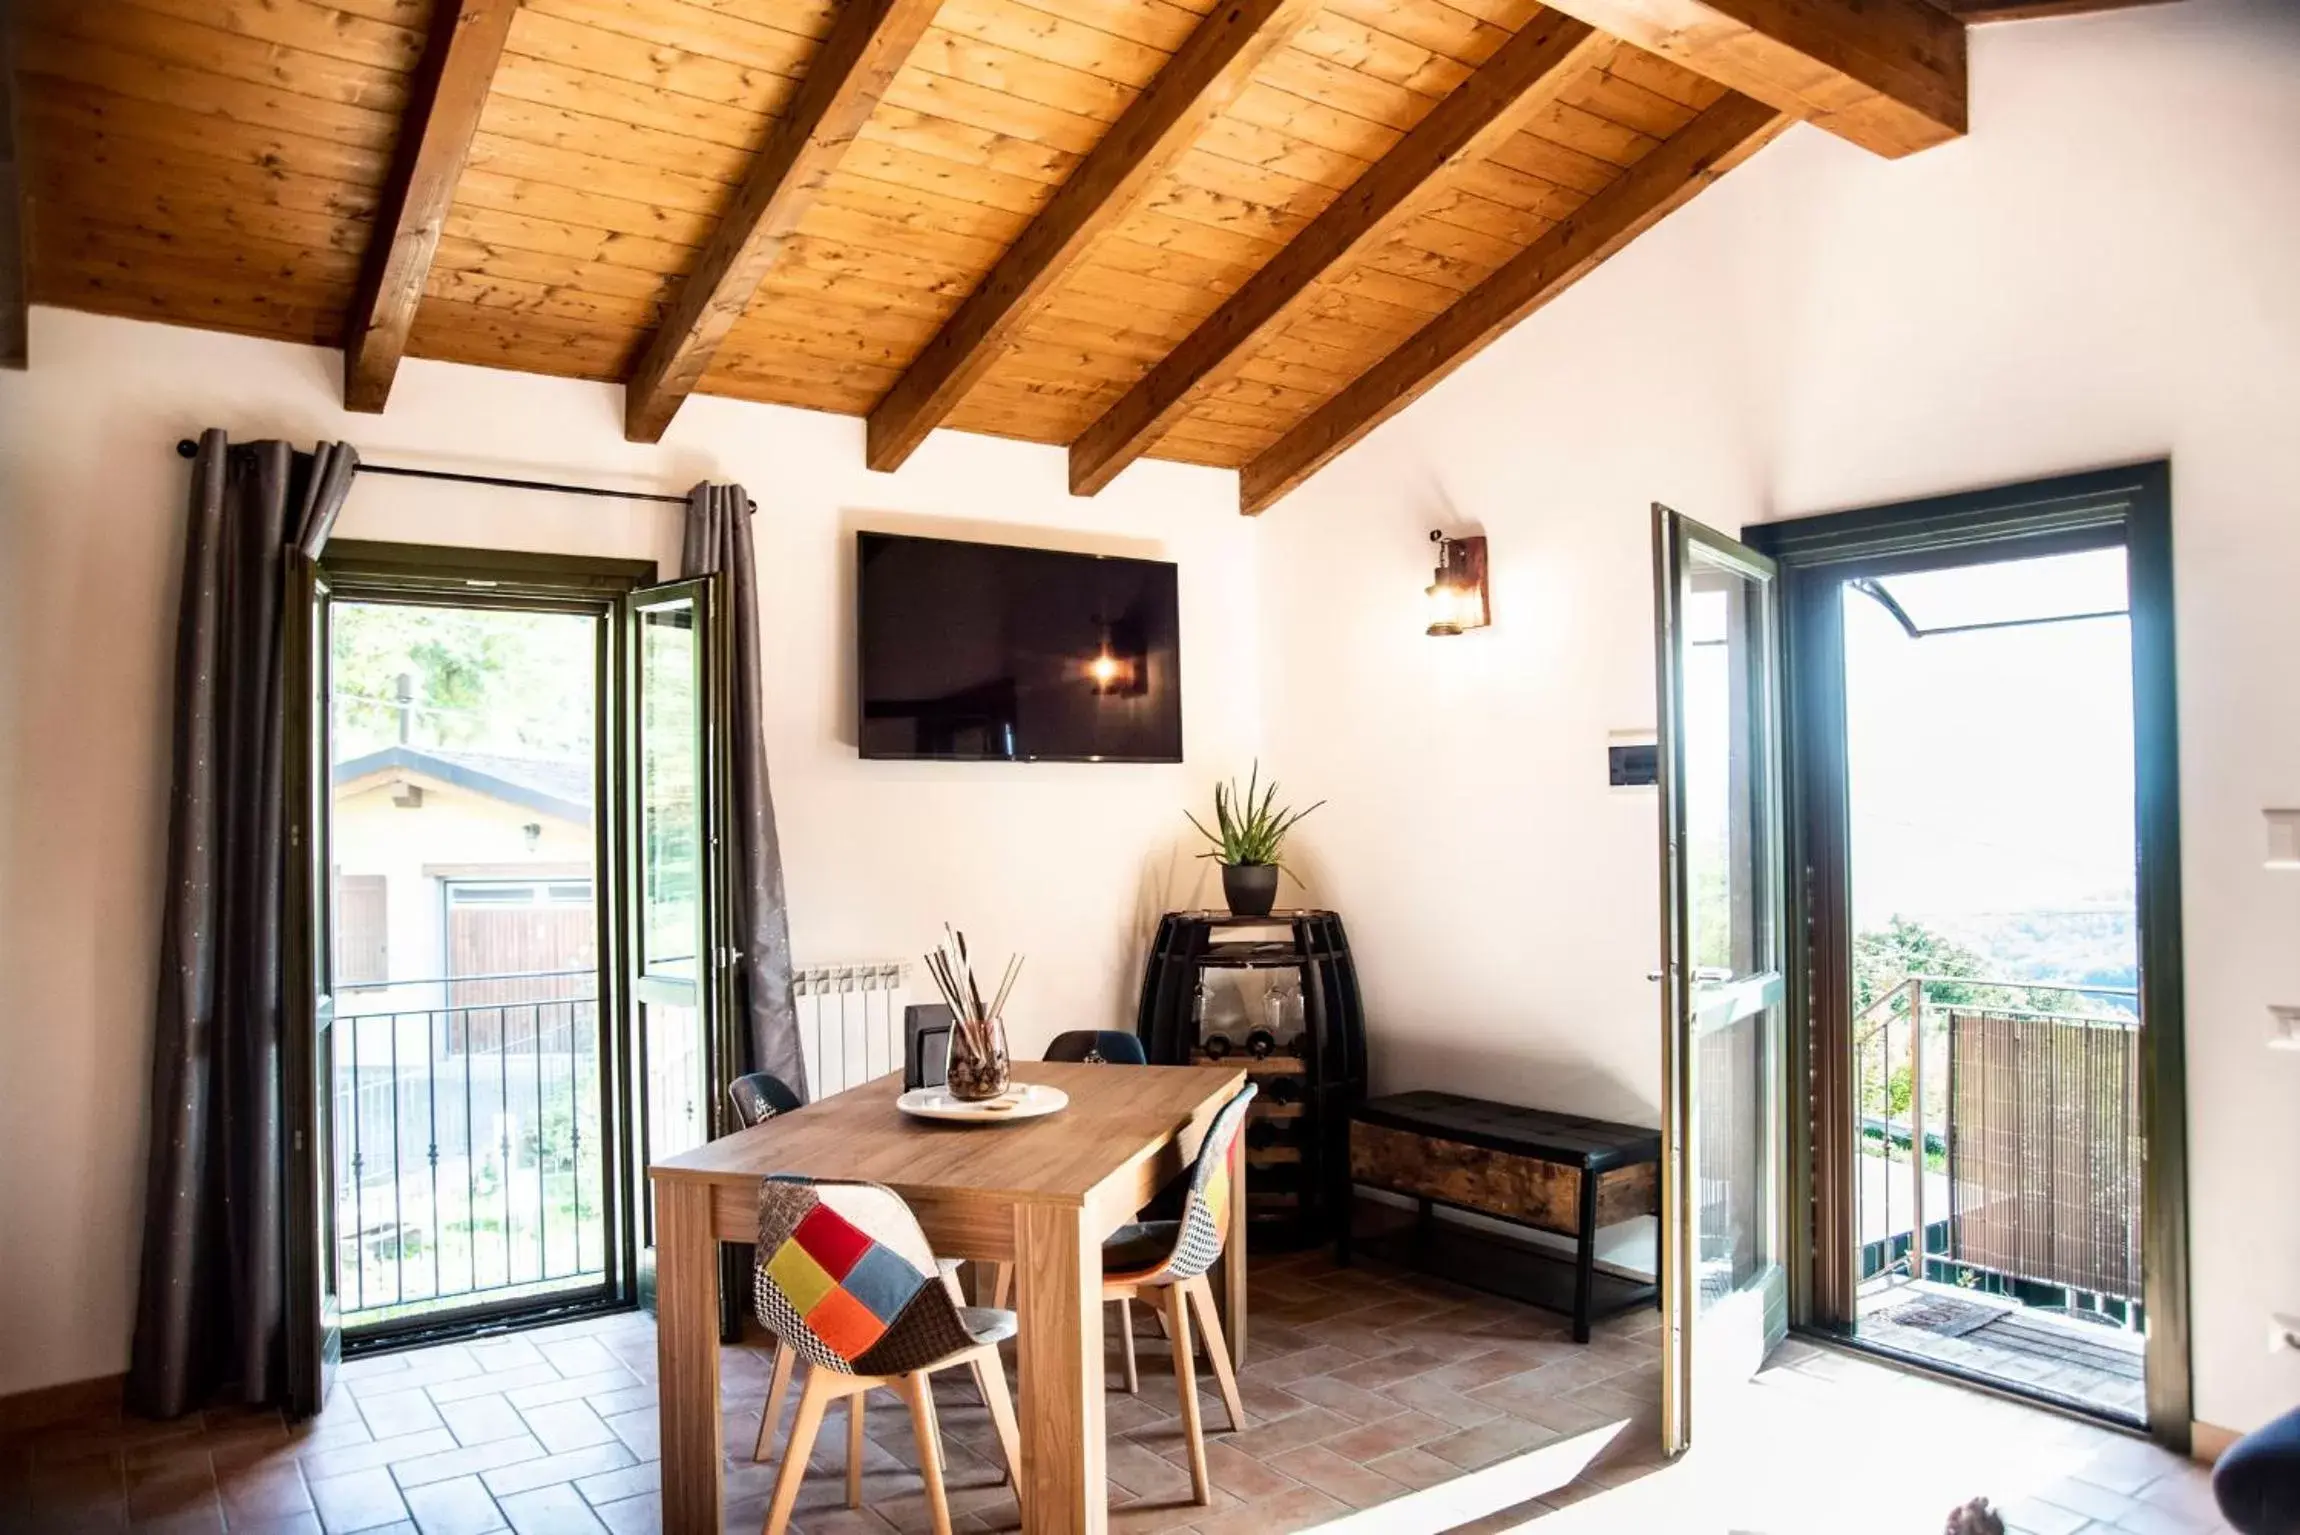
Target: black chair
x,y
925,1045
1103,1047
760,1096
2257,1479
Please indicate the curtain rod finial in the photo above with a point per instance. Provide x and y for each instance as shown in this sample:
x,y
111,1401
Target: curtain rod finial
x,y
186,448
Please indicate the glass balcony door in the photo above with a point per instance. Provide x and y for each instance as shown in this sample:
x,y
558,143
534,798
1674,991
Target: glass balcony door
x,y
680,988
1722,964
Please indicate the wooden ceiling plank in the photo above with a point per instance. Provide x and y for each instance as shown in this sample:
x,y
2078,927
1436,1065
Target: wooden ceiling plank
x,y
445,99
867,45
1202,77
182,91
1713,143
320,29
1521,79
1043,35
107,130
232,55
1888,75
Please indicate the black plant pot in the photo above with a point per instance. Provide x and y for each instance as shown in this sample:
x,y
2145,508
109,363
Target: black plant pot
x,y
1250,888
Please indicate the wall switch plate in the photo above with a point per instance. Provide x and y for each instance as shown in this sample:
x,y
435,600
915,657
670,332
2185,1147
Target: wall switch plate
x,y
2283,838
2287,1028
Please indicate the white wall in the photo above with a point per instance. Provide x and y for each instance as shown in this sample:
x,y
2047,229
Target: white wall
x,y
2102,272
1065,862
2107,270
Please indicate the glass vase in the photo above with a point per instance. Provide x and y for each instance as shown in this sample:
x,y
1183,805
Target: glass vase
x,y
978,1068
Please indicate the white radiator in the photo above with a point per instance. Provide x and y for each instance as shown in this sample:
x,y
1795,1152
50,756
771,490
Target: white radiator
x,y
850,1022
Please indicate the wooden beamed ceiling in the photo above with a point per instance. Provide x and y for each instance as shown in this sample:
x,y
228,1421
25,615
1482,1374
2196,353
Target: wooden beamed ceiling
x,y
1240,233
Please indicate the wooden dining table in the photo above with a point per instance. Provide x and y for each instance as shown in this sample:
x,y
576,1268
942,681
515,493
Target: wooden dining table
x,y
1040,1193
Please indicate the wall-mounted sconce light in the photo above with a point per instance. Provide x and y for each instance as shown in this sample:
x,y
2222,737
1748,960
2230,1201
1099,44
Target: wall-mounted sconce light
x,y
1457,594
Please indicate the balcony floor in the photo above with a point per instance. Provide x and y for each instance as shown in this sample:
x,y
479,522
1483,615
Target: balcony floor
x,y
2083,1364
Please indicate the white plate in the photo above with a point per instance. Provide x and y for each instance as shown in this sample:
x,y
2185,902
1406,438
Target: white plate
x,y
1021,1100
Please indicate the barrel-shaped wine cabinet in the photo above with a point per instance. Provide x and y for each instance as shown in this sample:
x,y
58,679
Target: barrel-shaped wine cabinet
x,y
1279,996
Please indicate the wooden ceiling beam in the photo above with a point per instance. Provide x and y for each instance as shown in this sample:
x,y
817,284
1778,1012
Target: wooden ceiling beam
x,y
1888,75
1204,76
1689,160
1526,75
15,217
444,101
866,48
1977,11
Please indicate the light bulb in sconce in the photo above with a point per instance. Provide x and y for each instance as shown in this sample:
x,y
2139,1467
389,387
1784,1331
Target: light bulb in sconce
x,y
1103,669
1458,598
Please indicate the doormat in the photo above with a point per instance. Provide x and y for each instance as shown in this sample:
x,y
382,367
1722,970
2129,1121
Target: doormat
x,y
1941,1315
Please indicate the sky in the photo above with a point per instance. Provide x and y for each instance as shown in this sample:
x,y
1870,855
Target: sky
x,y
1991,771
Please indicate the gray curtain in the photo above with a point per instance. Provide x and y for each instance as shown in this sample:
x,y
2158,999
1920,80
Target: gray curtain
x,y
210,1315
718,539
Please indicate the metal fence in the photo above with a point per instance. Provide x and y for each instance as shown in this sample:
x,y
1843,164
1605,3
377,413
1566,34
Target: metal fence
x,y
468,1155
1997,1139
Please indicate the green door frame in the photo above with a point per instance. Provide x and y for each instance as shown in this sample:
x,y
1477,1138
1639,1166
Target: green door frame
x,y
2131,506
499,579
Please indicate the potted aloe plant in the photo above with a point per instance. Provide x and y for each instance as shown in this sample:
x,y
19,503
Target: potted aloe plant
x,y
1252,828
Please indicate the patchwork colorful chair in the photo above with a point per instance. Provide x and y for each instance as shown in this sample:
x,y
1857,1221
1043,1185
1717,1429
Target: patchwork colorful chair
x,y
845,1280
1168,1261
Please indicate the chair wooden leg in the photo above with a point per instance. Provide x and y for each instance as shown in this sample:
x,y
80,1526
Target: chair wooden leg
x,y
990,1375
1186,1377
812,1398
1002,1287
1217,1349
784,1360
855,1447
920,1395
1126,1341
990,1385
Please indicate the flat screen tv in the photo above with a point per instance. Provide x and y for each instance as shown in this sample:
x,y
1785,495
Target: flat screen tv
x,y
987,653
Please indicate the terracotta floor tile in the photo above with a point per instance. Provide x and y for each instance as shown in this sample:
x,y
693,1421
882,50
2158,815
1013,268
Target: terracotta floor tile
x,y
1295,1510
553,1510
448,1465
641,1515
457,1506
269,1492
1337,1476
359,1500
479,1419
615,1486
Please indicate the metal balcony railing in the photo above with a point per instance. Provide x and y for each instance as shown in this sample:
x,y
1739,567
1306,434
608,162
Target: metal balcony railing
x,y
1999,1140
468,1157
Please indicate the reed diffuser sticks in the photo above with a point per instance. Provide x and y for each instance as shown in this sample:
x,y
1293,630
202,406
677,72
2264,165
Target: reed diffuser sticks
x,y
952,966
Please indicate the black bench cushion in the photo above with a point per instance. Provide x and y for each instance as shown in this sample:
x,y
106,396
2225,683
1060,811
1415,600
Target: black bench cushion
x,y
1597,1145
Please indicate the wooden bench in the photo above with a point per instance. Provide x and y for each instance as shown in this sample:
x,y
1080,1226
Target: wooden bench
x,y
1558,1173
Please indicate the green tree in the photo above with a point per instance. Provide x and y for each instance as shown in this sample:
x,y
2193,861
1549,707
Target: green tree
x,y
489,680
1885,957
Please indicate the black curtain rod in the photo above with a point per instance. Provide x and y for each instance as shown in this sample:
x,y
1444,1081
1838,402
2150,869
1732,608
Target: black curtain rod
x,y
186,448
